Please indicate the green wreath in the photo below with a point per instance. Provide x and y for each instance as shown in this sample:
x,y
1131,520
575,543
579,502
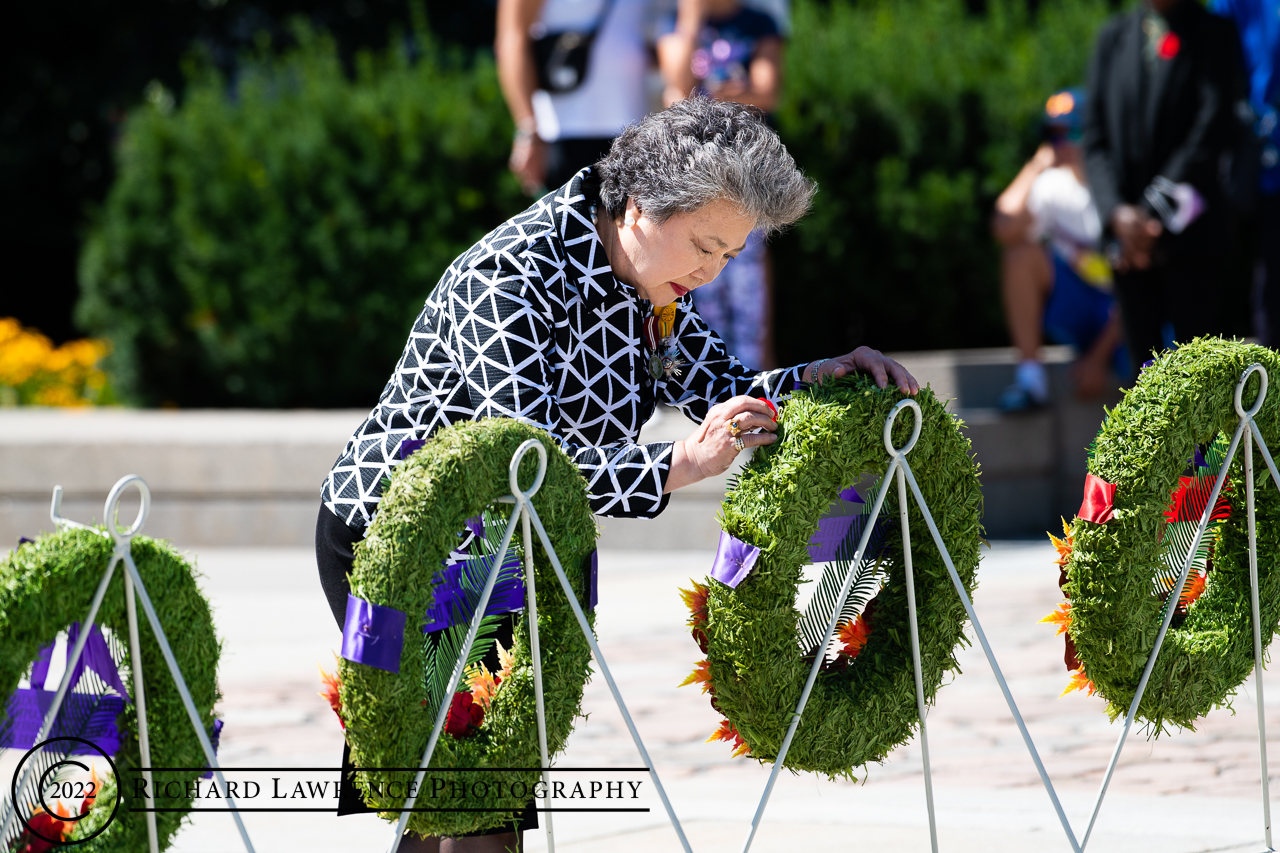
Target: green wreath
x,y
460,473
858,712
48,584
1182,401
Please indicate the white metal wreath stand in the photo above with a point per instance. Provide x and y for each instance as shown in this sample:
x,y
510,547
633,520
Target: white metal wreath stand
x,y
132,584
900,472
1252,432
528,516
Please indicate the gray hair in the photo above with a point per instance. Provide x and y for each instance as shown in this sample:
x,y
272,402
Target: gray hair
x,y
698,151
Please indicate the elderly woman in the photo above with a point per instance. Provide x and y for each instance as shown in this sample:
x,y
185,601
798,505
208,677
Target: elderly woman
x,y
575,316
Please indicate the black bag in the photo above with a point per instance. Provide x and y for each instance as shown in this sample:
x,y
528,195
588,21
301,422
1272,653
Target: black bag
x,y
561,58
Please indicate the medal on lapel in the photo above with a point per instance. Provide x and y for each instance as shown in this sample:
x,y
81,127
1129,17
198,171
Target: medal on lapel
x,y
664,356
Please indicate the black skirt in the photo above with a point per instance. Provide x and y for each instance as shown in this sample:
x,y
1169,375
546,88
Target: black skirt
x,y
334,557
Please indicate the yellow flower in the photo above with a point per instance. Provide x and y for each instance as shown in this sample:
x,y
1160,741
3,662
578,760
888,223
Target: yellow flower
x,y
22,356
33,371
481,683
58,395
9,329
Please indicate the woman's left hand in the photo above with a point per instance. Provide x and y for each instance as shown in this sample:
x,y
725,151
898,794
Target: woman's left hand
x,y
873,363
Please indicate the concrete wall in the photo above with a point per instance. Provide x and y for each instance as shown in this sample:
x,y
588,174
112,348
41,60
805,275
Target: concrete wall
x,y
1033,464
253,477
216,477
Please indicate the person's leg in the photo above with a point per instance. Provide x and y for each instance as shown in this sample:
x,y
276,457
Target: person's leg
x,y
1026,278
1268,266
733,305
334,555
1190,284
1091,374
1085,317
769,356
1141,315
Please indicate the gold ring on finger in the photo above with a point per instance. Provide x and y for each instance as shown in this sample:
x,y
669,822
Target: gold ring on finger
x,y
739,444
734,429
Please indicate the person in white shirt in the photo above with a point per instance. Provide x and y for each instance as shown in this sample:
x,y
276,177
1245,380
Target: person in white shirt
x,y
1054,281
571,124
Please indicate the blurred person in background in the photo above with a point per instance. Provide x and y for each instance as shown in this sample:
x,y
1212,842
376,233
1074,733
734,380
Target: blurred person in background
x,y
1258,24
573,75
1157,118
725,50
1055,283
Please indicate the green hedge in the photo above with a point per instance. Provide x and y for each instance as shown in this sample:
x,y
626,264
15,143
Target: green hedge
x,y
912,116
269,242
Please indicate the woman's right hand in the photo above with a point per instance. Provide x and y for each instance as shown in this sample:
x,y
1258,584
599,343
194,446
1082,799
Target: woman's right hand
x,y
710,449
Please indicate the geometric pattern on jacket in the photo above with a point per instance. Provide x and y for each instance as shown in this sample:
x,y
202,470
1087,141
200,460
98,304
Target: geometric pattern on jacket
x,y
530,323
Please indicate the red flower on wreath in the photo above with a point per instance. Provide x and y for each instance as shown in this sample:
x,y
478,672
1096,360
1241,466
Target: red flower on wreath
x,y
465,715
48,826
1169,46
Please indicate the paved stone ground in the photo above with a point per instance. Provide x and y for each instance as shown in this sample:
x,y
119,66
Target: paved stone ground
x,y
1194,791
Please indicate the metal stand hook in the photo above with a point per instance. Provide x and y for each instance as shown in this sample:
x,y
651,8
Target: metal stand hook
x,y
916,426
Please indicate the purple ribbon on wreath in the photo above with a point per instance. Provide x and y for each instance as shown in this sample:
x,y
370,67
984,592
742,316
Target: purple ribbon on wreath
x,y
734,560
87,715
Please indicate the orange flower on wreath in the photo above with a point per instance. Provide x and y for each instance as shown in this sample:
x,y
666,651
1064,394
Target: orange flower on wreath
x,y
727,733
331,692
1063,545
853,634
701,675
1060,617
1079,681
696,600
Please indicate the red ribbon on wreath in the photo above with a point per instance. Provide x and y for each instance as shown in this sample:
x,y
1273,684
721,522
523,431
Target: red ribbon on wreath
x,y
1099,500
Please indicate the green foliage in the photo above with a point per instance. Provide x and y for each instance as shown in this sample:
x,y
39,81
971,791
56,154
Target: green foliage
x,y
459,473
47,585
829,436
269,242
912,117
1183,400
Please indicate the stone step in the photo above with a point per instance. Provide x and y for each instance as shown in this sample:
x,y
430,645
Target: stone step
x,y
216,477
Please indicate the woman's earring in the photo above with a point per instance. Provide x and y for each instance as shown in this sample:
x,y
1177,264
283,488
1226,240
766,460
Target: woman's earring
x,y
629,220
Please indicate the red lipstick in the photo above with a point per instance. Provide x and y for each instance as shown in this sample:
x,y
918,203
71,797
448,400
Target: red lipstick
x,y
680,291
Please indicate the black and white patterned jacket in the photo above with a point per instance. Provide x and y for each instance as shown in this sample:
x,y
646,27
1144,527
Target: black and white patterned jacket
x,y
529,323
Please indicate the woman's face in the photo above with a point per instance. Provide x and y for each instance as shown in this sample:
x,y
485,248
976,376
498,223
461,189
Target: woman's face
x,y
664,262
